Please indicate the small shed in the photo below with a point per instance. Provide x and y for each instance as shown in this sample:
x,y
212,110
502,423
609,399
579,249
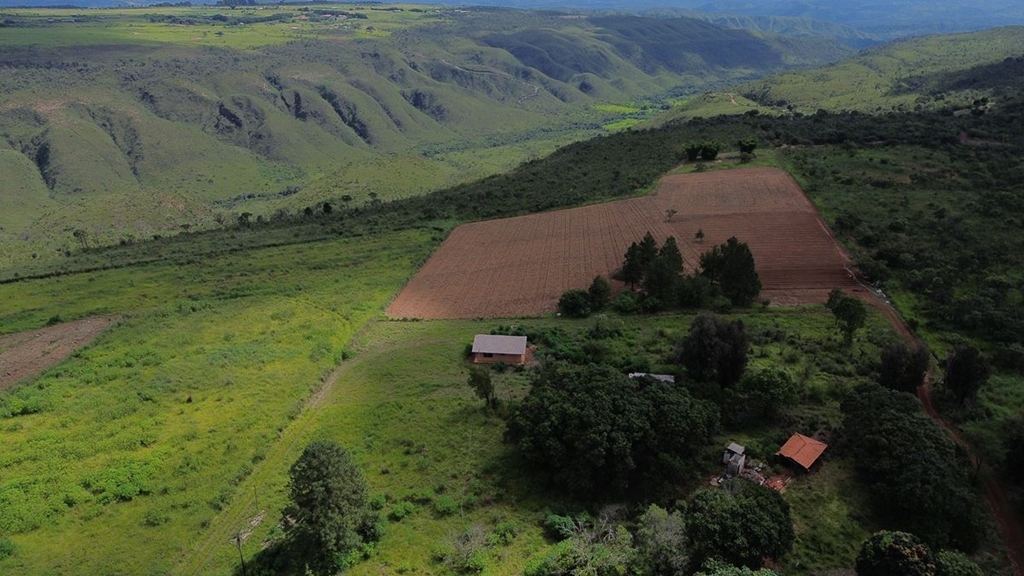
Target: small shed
x,y
734,459
492,349
659,377
802,450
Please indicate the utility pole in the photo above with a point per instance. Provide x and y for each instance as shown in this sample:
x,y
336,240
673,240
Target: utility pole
x,y
238,541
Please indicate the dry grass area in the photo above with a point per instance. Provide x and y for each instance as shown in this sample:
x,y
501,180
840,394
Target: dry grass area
x,y
520,266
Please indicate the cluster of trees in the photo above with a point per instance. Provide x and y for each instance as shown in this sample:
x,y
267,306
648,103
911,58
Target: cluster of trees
x,y
706,151
726,531
889,553
919,479
590,429
656,277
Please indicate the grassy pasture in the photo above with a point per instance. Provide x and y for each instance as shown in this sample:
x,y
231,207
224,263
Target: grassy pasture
x,y
136,443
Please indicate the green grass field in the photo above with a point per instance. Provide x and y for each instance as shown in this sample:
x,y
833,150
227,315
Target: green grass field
x,y
144,436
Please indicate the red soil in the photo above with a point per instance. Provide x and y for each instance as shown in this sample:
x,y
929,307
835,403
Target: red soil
x,y
29,353
520,266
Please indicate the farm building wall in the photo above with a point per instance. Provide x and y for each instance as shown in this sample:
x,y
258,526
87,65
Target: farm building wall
x,y
482,358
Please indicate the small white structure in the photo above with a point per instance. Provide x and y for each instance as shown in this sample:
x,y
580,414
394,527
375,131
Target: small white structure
x,y
734,459
491,349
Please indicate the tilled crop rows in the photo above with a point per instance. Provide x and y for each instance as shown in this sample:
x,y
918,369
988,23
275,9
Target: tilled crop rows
x,y
521,266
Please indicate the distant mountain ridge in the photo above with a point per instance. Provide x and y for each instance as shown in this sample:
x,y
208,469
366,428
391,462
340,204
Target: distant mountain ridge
x,y
105,142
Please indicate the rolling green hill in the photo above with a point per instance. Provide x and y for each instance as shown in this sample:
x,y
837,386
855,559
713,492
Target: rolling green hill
x,y
917,74
121,124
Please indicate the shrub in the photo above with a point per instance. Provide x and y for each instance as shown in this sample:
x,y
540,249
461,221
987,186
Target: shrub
x,y
7,548
445,505
575,304
401,510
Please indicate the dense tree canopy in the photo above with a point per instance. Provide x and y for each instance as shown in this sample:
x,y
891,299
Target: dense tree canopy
x,y
596,432
919,479
903,368
895,554
740,525
714,350
966,371
730,266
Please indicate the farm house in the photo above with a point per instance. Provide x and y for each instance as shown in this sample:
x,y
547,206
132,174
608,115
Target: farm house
x,y
802,451
491,349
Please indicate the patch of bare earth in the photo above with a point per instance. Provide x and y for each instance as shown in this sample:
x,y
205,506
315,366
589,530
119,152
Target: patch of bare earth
x,y
521,266
26,354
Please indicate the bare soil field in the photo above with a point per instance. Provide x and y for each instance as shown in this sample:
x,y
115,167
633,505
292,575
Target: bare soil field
x,y
28,353
520,266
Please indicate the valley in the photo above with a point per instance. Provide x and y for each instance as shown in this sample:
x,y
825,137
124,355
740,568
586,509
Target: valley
x,y
230,234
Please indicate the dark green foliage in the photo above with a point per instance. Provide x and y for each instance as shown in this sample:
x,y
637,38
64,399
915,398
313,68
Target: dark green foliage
x,y
7,548
647,251
895,554
903,368
766,391
632,268
741,524
692,152
596,433
731,268
600,292
575,304
747,145
849,312
1015,448
714,350
919,479
660,542
966,372
480,382
953,563
330,506
670,255
709,151
714,568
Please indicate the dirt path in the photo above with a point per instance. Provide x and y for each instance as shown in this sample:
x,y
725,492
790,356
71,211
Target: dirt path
x,y
27,354
1011,528
237,516
1007,520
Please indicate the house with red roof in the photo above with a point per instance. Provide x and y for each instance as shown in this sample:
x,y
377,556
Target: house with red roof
x,y
802,451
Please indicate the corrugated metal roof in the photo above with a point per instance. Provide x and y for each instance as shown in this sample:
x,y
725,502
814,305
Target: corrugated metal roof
x,y
491,344
802,450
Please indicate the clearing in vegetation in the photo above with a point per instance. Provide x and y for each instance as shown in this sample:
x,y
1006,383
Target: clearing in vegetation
x,y
29,353
520,266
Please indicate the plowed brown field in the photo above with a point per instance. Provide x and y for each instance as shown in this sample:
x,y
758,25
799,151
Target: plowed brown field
x,y
520,266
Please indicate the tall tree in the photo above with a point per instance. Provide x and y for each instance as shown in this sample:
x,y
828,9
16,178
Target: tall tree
x,y
966,371
648,250
633,267
480,382
330,506
669,253
849,312
768,390
903,368
600,293
714,350
731,267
